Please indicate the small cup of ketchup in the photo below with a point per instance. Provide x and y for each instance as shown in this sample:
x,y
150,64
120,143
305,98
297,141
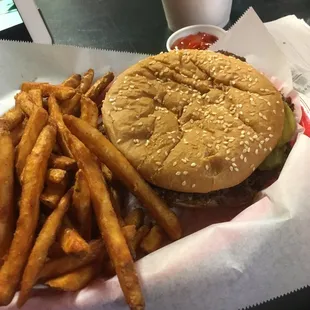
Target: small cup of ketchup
x,y
195,37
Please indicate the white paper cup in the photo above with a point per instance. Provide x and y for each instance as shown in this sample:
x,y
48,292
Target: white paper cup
x,y
181,13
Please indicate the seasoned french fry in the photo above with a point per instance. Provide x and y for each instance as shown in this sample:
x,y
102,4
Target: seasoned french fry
x,y
76,280
60,92
70,240
153,240
107,173
39,252
108,223
129,232
69,106
86,81
53,193
55,176
123,170
140,234
7,212
34,176
62,162
72,81
12,118
116,201
34,126
135,217
89,111
17,132
36,97
99,86
24,102
55,114
81,205
68,263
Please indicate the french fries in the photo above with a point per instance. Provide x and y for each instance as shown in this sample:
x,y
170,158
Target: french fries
x,y
7,212
36,97
95,90
35,124
59,91
139,236
53,193
40,249
86,81
17,132
69,106
72,81
24,102
43,245
153,240
81,205
55,113
89,111
34,176
120,166
70,240
77,279
108,224
62,162
12,118
135,217
56,267
55,176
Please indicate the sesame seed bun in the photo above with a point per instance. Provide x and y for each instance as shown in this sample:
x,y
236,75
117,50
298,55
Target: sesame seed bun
x,y
193,121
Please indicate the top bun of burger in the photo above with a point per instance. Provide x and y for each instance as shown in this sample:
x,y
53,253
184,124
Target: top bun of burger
x,y
193,121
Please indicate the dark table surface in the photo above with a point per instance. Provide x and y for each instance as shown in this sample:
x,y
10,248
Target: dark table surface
x,y
140,26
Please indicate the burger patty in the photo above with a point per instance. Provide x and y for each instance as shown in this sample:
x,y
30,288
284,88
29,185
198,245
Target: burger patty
x,y
241,195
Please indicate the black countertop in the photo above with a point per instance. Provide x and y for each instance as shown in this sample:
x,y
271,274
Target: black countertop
x,y
140,26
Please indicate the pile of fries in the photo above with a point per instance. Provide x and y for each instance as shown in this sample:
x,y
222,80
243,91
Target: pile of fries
x,y
62,216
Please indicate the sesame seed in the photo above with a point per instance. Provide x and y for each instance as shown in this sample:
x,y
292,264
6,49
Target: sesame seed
x,y
178,173
194,185
140,124
183,183
245,159
193,164
241,156
256,151
234,164
158,151
185,172
265,150
269,128
184,160
236,169
158,163
270,135
207,167
274,111
174,164
173,140
227,152
158,118
119,140
241,142
270,149
231,168
147,142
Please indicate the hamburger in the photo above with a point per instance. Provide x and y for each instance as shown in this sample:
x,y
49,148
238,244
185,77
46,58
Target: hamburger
x,y
205,129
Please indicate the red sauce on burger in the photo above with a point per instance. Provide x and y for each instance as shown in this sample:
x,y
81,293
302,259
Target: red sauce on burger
x,y
199,41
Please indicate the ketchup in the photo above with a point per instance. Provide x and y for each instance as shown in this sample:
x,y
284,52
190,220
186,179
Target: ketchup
x,y
199,41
